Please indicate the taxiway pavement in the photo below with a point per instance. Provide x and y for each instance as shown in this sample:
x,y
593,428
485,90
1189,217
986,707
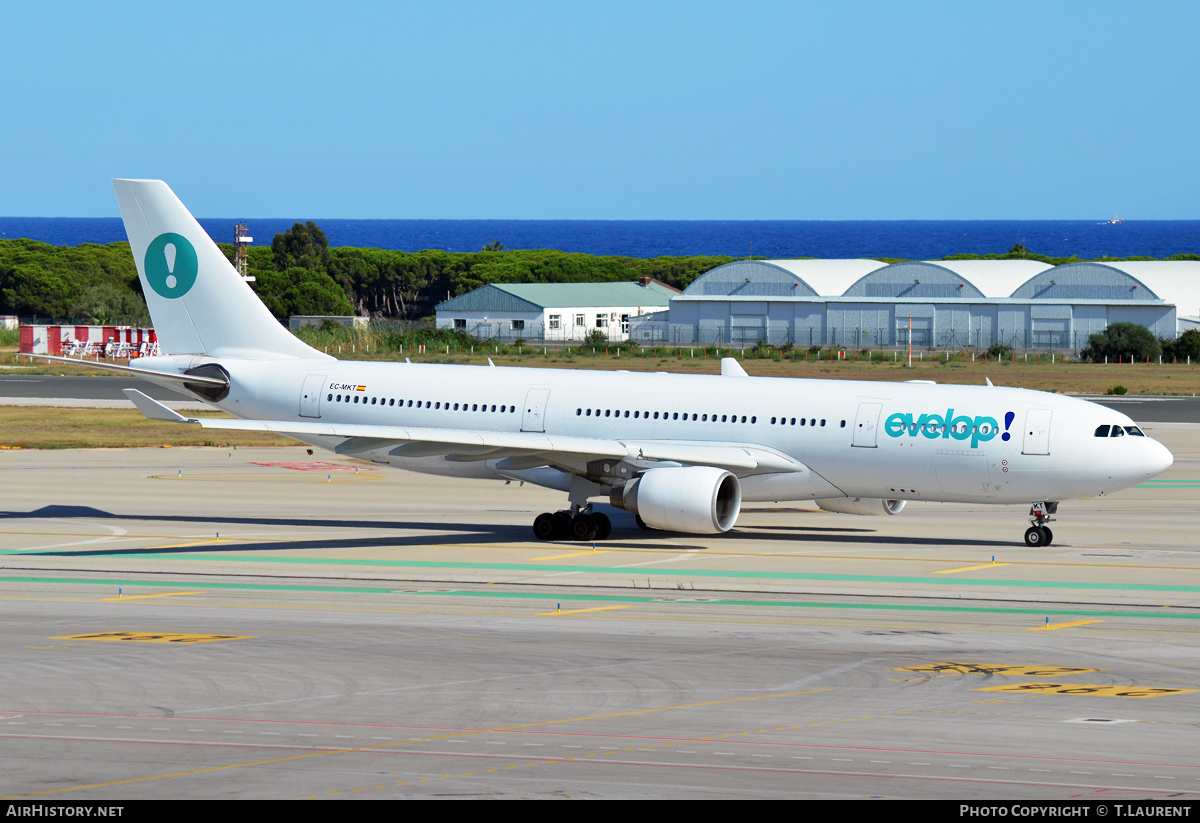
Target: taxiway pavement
x,y
259,623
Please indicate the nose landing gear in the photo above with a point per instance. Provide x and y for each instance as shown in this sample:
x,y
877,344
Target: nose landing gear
x,y
1039,534
575,523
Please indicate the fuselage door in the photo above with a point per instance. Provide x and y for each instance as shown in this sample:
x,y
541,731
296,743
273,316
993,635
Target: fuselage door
x,y
866,425
1037,432
534,419
310,395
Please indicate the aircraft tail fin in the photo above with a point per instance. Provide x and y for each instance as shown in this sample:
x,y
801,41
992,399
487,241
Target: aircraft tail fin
x,y
198,302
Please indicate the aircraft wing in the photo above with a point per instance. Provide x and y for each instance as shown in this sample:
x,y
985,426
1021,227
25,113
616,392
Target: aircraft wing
x,y
566,452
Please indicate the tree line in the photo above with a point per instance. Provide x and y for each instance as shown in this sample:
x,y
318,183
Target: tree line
x,y
299,273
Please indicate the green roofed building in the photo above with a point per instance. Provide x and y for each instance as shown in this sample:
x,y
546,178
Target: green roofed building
x,y
556,312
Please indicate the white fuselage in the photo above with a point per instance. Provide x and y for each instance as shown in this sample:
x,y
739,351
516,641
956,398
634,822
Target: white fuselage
x,y
906,441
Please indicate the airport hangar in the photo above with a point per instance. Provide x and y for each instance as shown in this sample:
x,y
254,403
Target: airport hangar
x,y
1022,304
556,312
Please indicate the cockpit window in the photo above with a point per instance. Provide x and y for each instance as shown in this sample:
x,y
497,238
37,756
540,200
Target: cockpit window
x,y
1135,431
1102,431
1117,431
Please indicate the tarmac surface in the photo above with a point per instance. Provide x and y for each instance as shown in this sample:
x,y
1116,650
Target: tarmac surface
x,y
259,623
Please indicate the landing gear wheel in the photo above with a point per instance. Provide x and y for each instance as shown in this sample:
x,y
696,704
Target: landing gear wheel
x,y
583,527
562,525
603,525
544,526
1040,513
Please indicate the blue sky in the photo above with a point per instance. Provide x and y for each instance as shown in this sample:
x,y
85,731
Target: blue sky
x,y
790,110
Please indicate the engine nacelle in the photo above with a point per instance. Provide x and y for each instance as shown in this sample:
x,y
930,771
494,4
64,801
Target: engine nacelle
x,y
694,499
861,505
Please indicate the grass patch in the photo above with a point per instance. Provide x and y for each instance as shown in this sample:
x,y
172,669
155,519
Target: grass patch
x,y
32,427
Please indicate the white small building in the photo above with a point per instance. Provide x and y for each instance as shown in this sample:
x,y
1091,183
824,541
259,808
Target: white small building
x,y
555,312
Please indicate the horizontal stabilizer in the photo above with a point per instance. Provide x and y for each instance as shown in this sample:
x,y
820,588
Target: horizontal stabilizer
x,y
153,409
149,374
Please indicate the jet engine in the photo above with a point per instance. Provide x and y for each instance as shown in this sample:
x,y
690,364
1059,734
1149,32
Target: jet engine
x,y
861,505
694,499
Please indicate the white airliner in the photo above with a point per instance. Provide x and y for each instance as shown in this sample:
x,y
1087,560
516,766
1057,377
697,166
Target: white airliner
x,y
682,452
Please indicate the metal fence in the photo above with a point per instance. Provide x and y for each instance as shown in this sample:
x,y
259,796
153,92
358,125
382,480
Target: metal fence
x,y
859,338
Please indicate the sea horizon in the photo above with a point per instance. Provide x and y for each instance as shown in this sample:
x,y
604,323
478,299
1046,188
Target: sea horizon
x,y
906,239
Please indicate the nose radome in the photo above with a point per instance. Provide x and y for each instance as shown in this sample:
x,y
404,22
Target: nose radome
x,y
1158,458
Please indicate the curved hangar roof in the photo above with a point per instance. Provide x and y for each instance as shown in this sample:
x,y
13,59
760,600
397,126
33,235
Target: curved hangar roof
x,y
781,278
1175,282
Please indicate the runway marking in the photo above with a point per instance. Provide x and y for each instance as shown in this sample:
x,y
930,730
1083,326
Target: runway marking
x,y
1073,689
1052,626
347,478
143,596
561,556
715,573
315,466
581,611
710,555
972,568
385,746
982,668
148,637
662,597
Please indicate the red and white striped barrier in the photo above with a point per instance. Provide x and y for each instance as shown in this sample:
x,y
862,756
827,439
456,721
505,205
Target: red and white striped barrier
x,y
89,341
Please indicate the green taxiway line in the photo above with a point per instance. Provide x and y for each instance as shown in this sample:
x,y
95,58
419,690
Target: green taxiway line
x,y
665,598
674,573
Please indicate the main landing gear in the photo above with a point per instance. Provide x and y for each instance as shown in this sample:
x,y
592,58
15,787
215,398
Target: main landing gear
x,y
1039,533
572,524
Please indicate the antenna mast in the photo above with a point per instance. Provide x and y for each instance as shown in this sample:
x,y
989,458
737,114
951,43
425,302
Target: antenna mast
x,y
241,239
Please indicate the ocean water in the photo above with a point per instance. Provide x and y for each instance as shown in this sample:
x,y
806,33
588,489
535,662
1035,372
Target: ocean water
x,y
908,239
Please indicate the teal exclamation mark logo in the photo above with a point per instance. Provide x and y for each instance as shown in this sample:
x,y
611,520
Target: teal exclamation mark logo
x,y
171,265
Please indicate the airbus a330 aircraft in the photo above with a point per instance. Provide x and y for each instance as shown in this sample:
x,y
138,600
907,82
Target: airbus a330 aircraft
x,y
682,452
